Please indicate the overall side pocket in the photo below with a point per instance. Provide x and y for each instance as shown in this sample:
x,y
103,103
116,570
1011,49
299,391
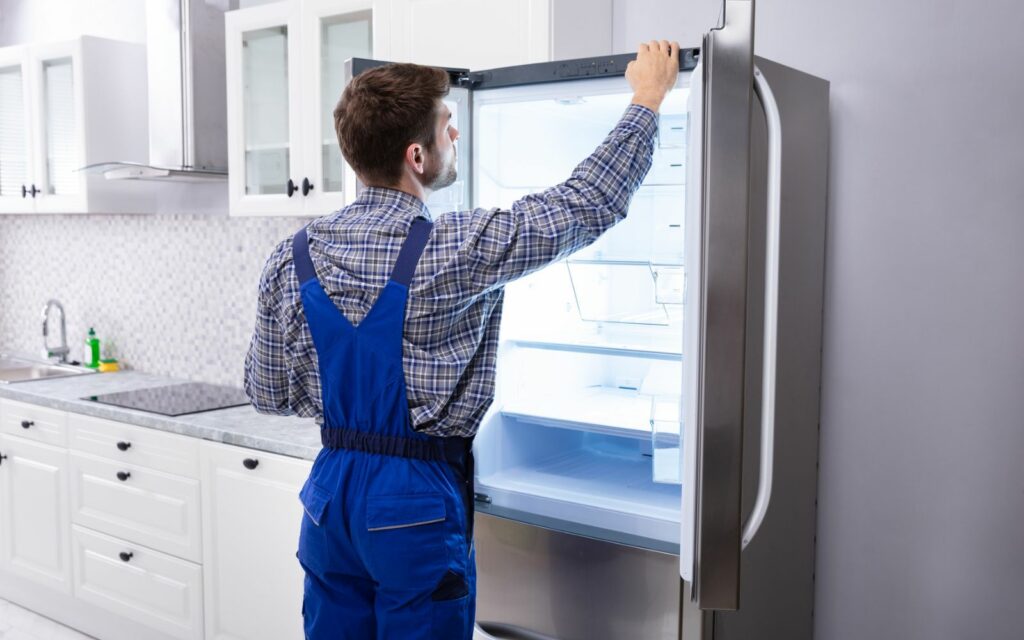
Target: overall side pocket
x,y
313,536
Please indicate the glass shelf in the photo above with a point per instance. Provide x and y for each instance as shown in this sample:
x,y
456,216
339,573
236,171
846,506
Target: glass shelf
x,y
612,411
610,349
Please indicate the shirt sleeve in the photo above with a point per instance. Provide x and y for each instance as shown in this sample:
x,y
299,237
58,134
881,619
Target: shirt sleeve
x,y
544,227
266,364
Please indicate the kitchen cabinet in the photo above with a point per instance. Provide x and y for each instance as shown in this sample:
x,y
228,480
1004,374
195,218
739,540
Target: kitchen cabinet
x,y
285,72
486,34
34,517
63,106
132,581
134,533
251,518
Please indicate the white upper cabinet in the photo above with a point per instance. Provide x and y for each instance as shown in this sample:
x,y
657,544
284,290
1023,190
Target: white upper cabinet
x,y
486,34
285,73
64,106
15,130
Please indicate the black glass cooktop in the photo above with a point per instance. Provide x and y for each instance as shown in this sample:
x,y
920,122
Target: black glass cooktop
x,y
176,399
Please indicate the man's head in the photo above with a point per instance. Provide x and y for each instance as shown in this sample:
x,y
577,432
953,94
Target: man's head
x,y
391,123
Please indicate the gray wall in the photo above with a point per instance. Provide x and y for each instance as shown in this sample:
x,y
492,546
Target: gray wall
x,y
921,487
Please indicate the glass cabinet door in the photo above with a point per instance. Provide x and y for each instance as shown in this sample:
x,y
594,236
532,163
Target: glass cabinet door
x,y
333,32
16,186
57,143
265,170
265,101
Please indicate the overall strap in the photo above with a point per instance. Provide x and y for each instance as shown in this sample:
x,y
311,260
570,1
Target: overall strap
x,y
300,256
411,251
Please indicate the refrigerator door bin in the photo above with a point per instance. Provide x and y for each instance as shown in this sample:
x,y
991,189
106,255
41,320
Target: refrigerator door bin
x,y
630,292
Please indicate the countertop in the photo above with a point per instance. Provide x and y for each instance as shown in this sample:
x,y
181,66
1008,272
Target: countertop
x,y
242,426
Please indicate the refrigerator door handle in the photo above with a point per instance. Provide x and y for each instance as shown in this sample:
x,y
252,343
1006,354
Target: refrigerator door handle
x,y
771,305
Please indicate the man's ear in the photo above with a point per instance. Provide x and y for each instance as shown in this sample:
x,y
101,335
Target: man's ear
x,y
415,157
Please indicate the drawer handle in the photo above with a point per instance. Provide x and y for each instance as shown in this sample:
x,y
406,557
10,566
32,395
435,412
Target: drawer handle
x,y
25,424
123,475
123,446
2,458
126,556
250,463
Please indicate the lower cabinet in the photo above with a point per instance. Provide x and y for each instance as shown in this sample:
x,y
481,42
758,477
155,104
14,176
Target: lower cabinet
x,y
152,588
251,518
34,513
129,533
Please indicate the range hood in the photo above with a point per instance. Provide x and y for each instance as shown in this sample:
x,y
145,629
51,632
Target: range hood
x,y
186,95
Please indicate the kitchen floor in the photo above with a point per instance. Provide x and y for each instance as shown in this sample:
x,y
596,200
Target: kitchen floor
x,y
17,623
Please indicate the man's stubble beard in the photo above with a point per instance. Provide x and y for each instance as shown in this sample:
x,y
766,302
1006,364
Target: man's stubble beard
x,y
444,177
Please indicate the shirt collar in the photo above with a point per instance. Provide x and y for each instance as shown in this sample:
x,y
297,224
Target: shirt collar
x,y
399,201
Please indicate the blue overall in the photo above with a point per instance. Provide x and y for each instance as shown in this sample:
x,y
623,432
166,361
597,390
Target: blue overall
x,y
386,539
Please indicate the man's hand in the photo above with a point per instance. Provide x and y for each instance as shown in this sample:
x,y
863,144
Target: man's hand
x,y
653,73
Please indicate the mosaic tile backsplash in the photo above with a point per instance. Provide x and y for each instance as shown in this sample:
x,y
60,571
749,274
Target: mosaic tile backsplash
x,y
167,294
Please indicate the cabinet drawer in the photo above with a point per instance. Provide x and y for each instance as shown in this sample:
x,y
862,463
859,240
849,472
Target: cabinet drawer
x,y
147,507
134,445
147,586
33,422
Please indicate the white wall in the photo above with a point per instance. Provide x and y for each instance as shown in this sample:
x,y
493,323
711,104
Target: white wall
x,y
921,488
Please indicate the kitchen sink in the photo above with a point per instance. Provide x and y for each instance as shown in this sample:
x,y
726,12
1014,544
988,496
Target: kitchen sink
x,y
19,369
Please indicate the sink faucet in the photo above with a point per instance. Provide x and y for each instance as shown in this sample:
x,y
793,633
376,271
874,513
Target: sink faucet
x,y
62,351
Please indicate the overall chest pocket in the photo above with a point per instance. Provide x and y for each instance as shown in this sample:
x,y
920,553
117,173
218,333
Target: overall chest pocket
x,y
406,540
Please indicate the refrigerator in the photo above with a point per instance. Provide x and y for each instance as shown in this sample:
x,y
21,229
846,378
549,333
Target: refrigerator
x,y
648,467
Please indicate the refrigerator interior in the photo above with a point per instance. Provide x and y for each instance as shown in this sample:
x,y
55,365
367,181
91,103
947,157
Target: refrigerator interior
x,y
584,432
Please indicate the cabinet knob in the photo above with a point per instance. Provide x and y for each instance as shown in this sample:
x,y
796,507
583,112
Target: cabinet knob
x,y
291,188
123,446
307,186
2,458
25,424
126,555
123,475
250,463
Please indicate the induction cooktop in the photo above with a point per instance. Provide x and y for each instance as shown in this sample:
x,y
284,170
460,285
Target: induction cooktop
x,y
176,399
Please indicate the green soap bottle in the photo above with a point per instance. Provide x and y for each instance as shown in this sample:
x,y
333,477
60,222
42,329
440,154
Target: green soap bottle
x,y
92,350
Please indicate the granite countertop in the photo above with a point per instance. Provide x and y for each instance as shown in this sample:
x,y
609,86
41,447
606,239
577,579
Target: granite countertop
x,y
286,435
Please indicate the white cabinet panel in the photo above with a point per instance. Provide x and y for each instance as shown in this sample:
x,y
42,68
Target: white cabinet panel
x,y
251,518
31,421
138,583
15,131
147,507
134,445
34,512
474,34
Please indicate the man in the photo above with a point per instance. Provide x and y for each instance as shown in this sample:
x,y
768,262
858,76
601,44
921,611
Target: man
x,y
383,325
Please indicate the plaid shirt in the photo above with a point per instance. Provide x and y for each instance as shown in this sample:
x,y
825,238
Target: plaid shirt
x,y
455,299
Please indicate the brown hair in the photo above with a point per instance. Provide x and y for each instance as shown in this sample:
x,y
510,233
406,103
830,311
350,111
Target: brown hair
x,y
382,111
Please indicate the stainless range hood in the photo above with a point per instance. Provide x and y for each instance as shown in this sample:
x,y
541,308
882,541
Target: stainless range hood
x,y
186,95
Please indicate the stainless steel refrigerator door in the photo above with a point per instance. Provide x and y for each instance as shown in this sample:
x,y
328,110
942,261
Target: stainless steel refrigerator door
x,y
716,315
